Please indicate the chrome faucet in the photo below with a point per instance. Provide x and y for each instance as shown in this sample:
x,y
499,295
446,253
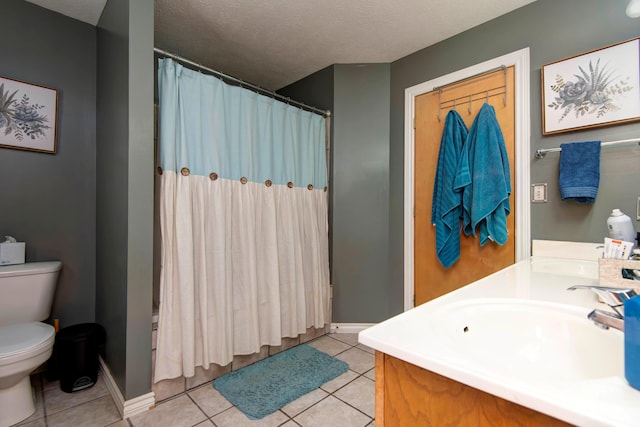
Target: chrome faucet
x,y
614,298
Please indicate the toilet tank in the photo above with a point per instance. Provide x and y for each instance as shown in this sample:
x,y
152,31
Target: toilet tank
x,y
26,291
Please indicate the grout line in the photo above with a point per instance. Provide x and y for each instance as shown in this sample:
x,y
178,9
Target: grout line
x,y
196,403
357,409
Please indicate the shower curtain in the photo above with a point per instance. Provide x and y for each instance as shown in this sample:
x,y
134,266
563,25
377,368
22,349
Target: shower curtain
x,y
244,221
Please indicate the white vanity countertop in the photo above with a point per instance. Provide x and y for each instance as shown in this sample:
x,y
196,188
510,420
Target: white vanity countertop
x,y
417,337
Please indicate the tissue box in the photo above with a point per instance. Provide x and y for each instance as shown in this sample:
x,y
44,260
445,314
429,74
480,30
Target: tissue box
x,y
12,253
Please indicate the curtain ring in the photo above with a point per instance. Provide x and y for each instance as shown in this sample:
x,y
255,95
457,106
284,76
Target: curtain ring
x,y
159,170
213,176
290,184
185,171
243,180
268,183
310,187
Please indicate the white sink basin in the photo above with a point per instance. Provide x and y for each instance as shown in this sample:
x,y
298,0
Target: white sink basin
x,y
530,340
521,336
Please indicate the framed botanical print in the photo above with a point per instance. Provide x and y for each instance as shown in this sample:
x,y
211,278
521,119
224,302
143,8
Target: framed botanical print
x,y
28,116
593,89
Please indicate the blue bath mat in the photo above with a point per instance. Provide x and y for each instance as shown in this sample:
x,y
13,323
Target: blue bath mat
x,y
266,386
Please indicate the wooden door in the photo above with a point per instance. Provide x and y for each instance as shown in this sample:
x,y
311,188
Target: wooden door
x,y
431,279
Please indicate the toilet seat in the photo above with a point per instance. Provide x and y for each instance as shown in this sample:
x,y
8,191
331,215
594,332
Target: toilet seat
x,y
20,341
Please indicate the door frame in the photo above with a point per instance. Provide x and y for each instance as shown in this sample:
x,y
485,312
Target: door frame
x,y
520,60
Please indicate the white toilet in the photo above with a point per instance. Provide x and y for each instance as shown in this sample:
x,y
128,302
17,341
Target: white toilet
x,y
26,295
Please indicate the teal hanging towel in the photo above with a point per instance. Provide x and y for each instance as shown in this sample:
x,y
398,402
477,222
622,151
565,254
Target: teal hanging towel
x,y
446,204
485,179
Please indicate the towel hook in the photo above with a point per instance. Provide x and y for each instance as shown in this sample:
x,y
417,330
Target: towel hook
x,y
454,103
487,98
440,105
470,101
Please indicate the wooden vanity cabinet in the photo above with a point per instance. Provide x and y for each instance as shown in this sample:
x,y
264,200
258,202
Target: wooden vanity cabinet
x,y
410,396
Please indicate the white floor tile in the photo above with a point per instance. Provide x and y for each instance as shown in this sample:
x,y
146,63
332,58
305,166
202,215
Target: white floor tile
x,y
96,413
328,345
339,382
56,400
235,418
209,400
37,423
361,394
366,348
178,412
371,374
351,339
358,360
332,412
294,408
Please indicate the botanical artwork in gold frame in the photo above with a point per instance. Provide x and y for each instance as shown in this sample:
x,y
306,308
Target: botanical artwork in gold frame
x,y
593,89
28,116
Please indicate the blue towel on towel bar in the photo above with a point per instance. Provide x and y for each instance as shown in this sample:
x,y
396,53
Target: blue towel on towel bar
x,y
485,178
580,171
446,203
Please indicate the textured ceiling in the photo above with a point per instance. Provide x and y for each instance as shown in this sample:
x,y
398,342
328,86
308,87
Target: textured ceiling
x,y
277,42
83,10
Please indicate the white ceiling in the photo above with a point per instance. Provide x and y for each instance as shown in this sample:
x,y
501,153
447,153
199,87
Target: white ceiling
x,y
82,10
277,42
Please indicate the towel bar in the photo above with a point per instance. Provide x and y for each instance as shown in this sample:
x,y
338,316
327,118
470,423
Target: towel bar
x,y
542,152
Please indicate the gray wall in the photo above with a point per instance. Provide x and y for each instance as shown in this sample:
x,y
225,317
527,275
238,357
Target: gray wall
x,y
553,30
360,193
48,200
369,284
358,96
125,190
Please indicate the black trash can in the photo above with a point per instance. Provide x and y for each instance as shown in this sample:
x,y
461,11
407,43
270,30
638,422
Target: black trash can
x,y
76,355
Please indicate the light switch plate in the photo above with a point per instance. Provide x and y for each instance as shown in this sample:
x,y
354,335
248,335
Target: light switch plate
x,y
539,193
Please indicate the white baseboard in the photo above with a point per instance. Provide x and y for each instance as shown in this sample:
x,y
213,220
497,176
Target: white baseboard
x,y
127,408
349,328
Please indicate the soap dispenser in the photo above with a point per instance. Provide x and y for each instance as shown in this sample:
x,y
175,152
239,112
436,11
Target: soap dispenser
x,y
620,226
632,341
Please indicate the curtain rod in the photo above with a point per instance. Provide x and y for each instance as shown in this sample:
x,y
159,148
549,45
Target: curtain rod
x,y
541,153
242,83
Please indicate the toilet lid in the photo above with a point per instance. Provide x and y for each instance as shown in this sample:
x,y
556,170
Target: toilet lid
x,y
24,337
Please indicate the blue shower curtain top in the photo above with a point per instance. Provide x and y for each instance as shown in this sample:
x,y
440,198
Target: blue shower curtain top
x,y
235,132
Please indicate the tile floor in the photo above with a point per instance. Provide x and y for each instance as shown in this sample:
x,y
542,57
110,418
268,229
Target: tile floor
x,y
347,401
